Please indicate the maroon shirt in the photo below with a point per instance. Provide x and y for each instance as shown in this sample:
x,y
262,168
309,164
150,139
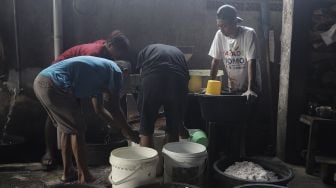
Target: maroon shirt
x,y
95,48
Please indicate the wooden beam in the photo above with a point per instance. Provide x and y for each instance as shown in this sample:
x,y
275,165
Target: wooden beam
x,y
286,41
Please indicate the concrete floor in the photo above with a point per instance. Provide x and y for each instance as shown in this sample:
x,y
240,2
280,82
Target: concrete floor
x,y
302,180
32,175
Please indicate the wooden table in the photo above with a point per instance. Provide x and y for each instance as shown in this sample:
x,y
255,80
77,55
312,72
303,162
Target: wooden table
x,y
314,123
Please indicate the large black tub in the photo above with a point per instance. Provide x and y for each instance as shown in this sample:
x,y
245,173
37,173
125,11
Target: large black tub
x,y
100,146
11,148
76,186
278,167
224,108
168,185
259,186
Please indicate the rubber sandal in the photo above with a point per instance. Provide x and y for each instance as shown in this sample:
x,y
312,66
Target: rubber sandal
x,y
49,164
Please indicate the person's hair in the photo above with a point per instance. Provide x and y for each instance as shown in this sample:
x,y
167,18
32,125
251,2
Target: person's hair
x,y
118,40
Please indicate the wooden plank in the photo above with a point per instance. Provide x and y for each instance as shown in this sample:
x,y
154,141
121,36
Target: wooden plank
x,y
325,159
309,120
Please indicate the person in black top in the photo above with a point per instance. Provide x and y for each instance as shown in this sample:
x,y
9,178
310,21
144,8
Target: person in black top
x,y
164,82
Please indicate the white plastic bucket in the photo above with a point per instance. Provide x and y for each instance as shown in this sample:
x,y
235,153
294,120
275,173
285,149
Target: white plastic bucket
x,y
159,139
184,162
133,166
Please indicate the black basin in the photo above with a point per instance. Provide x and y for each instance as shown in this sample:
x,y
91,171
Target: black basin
x,y
10,148
99,153
280,169
259,186
168,185
77,186
224,108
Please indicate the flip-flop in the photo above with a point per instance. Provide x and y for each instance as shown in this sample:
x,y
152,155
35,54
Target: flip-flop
x,y
49,164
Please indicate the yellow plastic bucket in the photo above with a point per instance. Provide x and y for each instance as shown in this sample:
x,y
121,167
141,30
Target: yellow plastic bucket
x,y
195,83
213,87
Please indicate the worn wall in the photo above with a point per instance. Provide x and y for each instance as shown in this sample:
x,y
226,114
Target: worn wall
x,y
35,46
191,23
175,22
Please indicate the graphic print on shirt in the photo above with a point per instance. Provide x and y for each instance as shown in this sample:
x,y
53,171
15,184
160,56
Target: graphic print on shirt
x,y
233,58
235,64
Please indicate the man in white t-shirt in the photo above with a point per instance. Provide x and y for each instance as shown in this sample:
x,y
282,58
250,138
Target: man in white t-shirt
x,y
237,46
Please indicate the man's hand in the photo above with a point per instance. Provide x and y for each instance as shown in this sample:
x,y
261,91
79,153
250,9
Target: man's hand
x,y
131,135
251,95
184,133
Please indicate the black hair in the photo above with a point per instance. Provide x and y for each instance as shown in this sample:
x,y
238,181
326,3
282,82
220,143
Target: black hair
x,y
119,41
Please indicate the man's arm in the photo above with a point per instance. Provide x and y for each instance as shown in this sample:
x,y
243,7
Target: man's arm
x,y
251,79
251,71
251,56
118,119
214,68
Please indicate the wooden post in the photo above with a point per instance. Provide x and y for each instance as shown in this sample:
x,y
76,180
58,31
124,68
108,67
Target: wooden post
x,y
295,48
287,23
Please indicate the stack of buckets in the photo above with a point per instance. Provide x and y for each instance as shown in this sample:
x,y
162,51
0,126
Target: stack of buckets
x,y
133,166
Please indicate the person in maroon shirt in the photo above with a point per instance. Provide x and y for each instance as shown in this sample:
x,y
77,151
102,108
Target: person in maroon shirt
x,y
116,46
97,48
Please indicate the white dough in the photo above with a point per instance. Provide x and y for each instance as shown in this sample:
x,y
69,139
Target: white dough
x,y
250,171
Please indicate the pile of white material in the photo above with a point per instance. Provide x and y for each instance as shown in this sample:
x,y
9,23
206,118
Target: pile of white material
x,y
250,171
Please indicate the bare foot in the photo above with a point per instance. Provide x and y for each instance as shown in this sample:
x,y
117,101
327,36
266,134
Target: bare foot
x,y
70,176
87,179
131,135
